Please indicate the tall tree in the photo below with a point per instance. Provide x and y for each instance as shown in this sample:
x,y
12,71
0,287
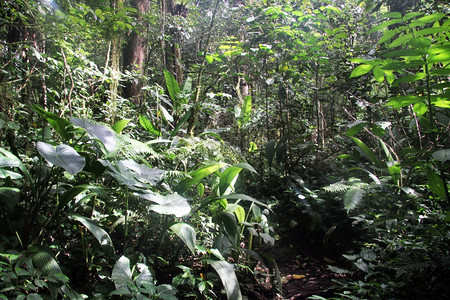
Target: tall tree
x,y
135,52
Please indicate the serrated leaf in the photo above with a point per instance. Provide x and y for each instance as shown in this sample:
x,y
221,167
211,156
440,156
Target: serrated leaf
x,y
62,156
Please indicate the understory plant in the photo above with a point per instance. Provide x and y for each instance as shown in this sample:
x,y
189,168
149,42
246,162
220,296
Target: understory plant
x,y
91,208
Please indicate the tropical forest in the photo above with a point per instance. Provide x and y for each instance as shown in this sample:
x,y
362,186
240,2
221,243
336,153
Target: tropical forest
x,y
225,149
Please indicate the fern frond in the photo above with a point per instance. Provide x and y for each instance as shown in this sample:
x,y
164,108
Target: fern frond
x,y
337,187
353,197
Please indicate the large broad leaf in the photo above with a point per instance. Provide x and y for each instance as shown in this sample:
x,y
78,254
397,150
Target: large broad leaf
x,y
120,125
8,158
172,204
100,234
367,152
98,131
147,125
144,278
228,278
361,70
198,175
442,155
186,233
227,222
230,175
58,123
73,192
62,156
9,196
172,86
121,274
436,184
245,112
141,172
45,262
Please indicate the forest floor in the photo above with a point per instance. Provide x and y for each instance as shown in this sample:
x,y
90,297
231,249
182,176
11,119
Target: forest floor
x,y
302,276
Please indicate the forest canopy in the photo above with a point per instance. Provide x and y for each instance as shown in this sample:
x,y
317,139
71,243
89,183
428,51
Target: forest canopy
x,y
193,149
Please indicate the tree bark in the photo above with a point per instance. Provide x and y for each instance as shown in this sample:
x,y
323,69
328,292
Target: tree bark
x,y
135,53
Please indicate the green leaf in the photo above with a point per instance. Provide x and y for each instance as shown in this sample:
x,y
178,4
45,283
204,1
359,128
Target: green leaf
x,y
166,115
385,24
100,234
73,192
98,131
198,175
402,101
427,19
45,262
62,156
120,125
59,124
182,121
361,70
403,53
355,127
442,57
213,134
227,180
9,196
228,278
421,43
378,74
186,233
442,155
387,35
172,86
436,184
121,274
148,126
401,40
245,111
367,152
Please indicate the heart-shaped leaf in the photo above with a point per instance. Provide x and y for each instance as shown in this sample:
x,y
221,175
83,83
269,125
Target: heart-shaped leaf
x,y
172,204
62,156
98,131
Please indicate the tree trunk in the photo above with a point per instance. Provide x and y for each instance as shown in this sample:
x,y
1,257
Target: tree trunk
x,y
172,48
135,53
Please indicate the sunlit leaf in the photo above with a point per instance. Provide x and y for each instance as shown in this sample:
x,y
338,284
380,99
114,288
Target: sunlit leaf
x,y
228,278
120,125
62,156
171,204
98,132
121,274
100,234
186,233
361,70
